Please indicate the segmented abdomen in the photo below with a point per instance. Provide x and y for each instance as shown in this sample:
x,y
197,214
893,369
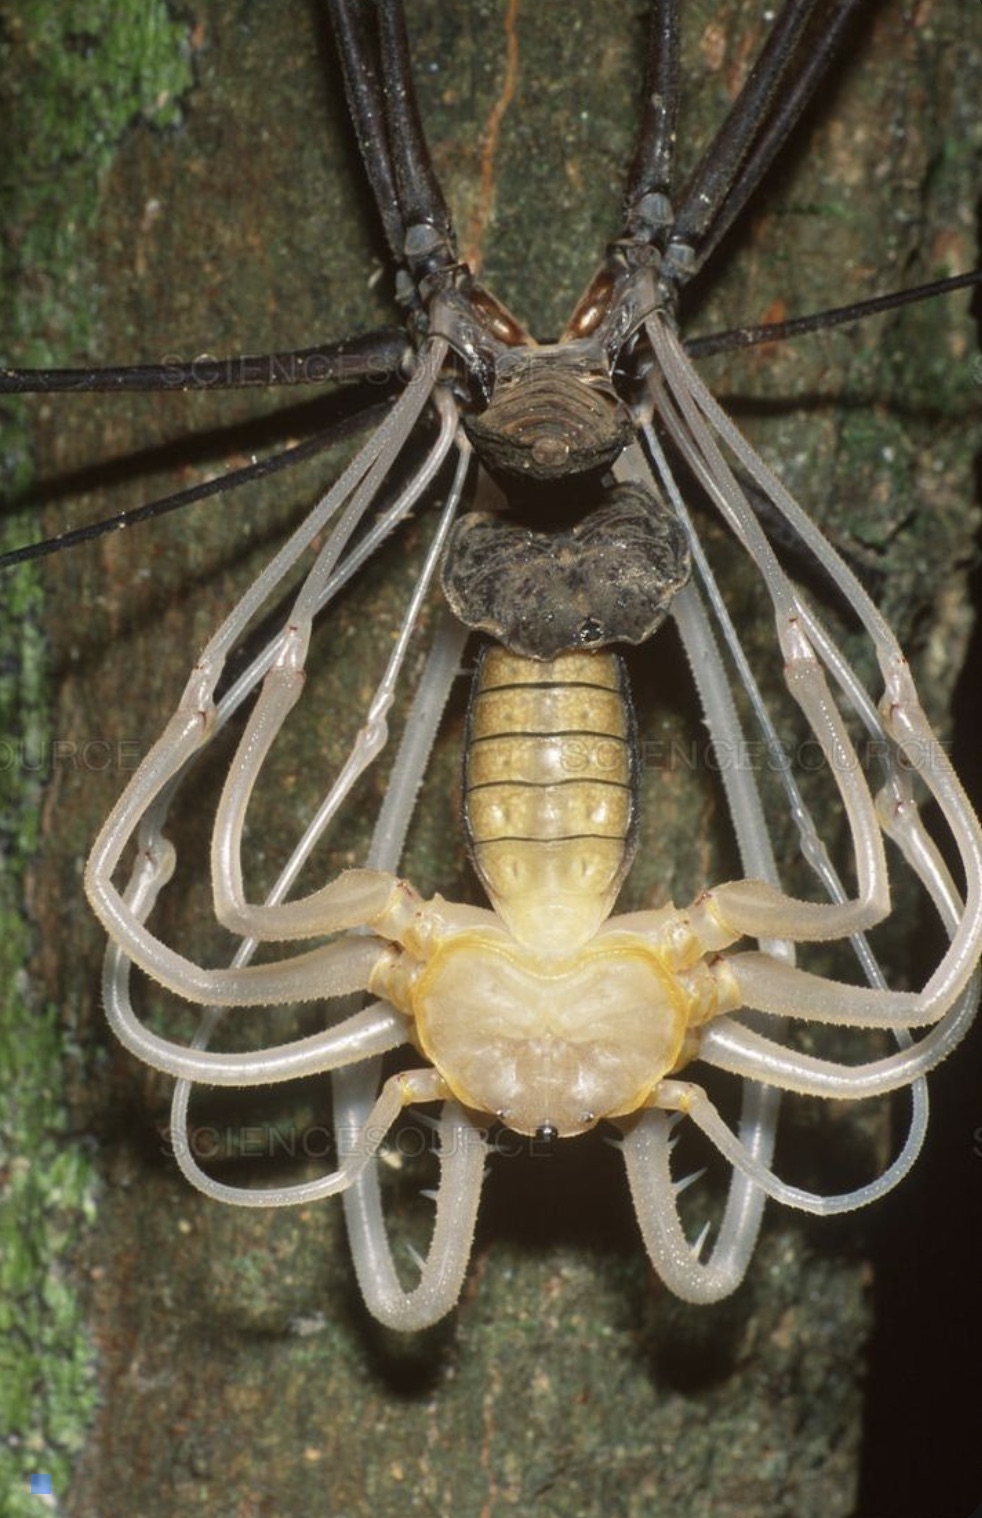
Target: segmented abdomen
x,y
550,788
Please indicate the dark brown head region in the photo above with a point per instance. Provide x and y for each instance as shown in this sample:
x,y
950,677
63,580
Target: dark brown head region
x,y
545,424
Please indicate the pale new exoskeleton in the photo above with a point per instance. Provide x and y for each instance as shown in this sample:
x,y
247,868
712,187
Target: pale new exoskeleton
x,y
546,1012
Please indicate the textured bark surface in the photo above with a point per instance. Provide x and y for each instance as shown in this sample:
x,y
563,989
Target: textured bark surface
x,y
237,1371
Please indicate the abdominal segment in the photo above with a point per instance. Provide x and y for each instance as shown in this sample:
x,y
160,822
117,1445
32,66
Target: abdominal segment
x,y
550,790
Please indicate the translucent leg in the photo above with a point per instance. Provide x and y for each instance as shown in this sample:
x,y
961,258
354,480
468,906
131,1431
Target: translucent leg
x,y
695,425
462,1153
144,803
761,911
367,1033
333,969
398,1092
305,917
682,1096
902,736
442,1273
654,1193
646,1148
730,1046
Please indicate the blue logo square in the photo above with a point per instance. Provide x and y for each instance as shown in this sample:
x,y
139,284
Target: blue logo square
x,y
41,1486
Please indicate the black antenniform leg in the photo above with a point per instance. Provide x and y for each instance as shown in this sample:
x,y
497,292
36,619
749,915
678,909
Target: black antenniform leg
x,y
781,83
420,196
821,321
649,184
364,356
710,184
367,110
818,53
295,453
382,101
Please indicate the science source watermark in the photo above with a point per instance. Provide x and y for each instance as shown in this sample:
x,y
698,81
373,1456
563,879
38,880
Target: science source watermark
x,y
318,1143
588,755
576,755
86,756
310,366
